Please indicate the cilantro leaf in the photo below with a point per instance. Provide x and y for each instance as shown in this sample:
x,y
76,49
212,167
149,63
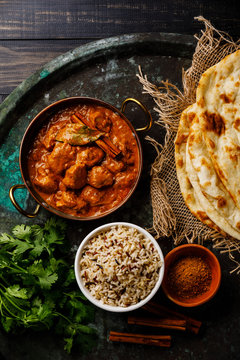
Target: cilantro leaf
x,y
23,232
68,344
56,230
18,292
7,323
46,276
38,289
19,245
6,239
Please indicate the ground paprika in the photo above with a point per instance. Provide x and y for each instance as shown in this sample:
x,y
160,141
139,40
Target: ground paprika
x,y
189,277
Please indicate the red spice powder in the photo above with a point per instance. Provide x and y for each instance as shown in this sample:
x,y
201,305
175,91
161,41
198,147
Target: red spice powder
x,y
189,277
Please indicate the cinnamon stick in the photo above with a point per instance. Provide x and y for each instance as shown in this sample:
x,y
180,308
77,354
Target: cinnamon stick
x,y
156,340
174,324
105,143
192,325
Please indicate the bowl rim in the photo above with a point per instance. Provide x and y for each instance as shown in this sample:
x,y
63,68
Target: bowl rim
x,y
98,302
32,125
209,254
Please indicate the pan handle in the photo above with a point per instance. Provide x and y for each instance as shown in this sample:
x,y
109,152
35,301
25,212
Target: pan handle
x,y
143,107
14,202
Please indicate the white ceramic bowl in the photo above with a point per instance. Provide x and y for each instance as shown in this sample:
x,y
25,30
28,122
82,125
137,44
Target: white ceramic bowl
x,y
85,290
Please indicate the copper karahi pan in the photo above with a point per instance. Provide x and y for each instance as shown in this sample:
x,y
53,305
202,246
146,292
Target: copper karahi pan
x,y
33,129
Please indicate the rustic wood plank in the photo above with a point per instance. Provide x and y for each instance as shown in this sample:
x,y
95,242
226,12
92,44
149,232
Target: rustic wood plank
x,y
24,19
19,59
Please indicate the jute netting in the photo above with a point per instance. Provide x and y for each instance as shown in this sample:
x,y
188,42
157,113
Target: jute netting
x,y
171,217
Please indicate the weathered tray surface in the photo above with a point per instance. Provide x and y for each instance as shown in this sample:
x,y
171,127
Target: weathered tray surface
x,y
107,69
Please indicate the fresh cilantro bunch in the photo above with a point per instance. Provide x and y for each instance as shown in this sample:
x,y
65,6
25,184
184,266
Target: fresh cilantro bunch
x,y
37,285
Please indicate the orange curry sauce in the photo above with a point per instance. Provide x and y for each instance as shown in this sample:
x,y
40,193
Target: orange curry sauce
x,y
84,180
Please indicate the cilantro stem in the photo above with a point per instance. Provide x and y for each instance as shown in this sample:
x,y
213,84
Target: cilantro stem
x,y
13,315
73,295
11,301
16,268
1,306
64,317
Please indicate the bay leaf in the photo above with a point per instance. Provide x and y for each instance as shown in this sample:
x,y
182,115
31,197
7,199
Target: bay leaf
x,y
75,134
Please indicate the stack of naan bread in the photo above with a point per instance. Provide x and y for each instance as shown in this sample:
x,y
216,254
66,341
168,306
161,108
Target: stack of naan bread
x,y
207,148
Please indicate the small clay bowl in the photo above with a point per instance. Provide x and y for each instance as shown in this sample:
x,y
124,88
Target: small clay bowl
x,y
192,250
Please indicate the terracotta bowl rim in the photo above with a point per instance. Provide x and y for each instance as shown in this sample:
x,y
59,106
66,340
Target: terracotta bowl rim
x,y
183,250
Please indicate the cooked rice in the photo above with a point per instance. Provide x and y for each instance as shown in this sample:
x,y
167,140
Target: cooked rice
x,y
120,266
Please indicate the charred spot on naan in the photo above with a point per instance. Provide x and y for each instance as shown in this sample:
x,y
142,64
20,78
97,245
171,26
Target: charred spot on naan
x,y
204,162
225,98
214,122
190,117
202,216
233,153
180,163
236,124
189,198
201,103
181,138
221,202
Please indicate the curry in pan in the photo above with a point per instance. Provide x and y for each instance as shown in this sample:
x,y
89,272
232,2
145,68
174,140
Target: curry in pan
x,y
85,161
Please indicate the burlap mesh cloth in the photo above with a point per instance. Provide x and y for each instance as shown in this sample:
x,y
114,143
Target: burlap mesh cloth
x,y
171,217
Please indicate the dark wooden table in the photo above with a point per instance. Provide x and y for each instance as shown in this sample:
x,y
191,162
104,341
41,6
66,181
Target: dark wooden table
x,y
34,32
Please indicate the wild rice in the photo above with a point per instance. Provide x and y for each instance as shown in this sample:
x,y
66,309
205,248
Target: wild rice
x,y
120,266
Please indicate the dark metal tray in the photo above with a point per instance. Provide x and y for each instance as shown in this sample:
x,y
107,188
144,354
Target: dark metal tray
x,y
107,70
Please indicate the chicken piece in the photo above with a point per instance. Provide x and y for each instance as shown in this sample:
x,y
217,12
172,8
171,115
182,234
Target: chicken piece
x,y
47,184
76,176
49,139
99,176
129,156
90,156
44,179
62,157
113,165
92,196
66,199
125,179
62,186
100,120
81,205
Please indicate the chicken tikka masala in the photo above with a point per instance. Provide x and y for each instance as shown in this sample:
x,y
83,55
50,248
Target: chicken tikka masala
x,y
85,161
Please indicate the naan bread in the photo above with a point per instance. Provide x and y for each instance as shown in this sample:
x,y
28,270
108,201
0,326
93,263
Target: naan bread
x,y
218,100
205,202
186,187
209,183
